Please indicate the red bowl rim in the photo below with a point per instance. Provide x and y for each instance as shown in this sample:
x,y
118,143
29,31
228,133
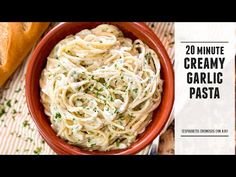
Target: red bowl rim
x,y
149,138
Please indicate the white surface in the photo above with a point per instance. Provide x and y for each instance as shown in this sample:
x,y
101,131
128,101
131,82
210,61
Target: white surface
x,y
204,113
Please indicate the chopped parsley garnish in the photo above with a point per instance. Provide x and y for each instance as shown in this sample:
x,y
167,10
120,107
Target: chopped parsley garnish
x,y
111,98
58,115
93,144
135,90
43,142
79,113
26,123
16,101
29,139
117,143
18,90
100,90
14,111
116,111
105,102
108,86
38,150
101,80
2,111
8,103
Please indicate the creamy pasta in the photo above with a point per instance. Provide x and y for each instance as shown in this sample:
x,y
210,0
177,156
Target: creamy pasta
x,y
100,89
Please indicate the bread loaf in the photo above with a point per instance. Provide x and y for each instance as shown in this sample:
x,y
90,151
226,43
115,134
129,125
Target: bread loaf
x,y
16,40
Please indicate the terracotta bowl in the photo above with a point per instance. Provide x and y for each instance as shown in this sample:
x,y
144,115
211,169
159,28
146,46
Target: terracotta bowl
x,y
38,61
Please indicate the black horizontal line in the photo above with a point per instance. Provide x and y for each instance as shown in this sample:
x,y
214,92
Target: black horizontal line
x,y
204,41
204,135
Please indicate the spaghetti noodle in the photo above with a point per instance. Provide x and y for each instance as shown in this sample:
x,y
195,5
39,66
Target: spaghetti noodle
x,y
100,89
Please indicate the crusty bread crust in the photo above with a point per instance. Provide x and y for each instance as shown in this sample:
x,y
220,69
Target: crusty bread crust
x,y
20,40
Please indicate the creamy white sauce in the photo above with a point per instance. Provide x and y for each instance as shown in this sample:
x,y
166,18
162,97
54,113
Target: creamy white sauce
x,y
100,88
